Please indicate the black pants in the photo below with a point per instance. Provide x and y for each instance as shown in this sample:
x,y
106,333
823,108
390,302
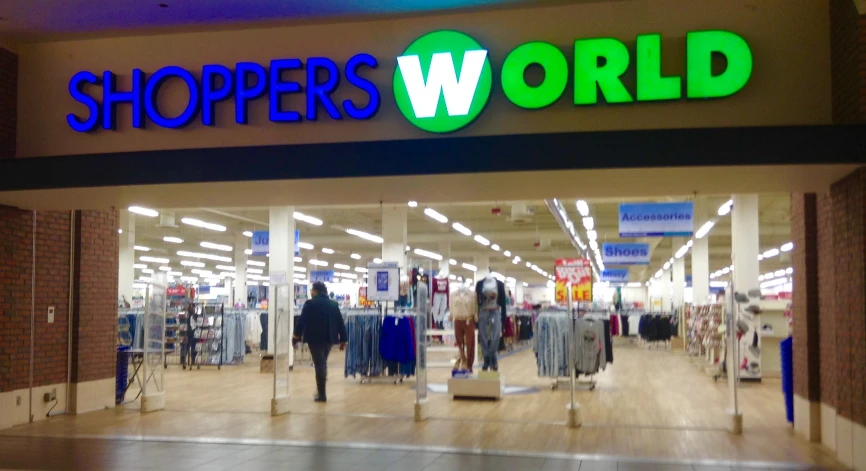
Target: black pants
x,y
320,353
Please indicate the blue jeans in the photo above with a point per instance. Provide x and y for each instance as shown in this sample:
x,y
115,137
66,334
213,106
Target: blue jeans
x,y
489,333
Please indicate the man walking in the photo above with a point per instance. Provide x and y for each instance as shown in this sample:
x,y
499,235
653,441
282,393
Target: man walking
x,y
321,326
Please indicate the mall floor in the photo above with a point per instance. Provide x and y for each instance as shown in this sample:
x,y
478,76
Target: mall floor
x,y
651,404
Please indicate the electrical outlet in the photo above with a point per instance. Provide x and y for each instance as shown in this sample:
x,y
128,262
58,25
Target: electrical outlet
x,y
17,400
53,394
50,314
46,397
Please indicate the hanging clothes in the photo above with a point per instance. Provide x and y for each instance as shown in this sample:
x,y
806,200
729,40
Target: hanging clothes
x,y
363,333
551,344
397,345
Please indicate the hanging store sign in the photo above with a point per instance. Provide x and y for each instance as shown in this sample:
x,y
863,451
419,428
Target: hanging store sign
x,y
656,219
322,275
625,254
441,83
615,275
175,291
578,272
383,281
261,243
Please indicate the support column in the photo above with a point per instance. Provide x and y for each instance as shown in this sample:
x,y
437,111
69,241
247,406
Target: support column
x,y
281,263
482,262
667,289
518,293
394,233
126,255
744,235
701,255
679,275
242,243
445,252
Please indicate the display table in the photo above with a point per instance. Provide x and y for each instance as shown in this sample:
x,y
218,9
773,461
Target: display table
x,y
489,387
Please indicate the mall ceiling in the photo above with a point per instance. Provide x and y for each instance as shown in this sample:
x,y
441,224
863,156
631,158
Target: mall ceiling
x,y
35,19
525,229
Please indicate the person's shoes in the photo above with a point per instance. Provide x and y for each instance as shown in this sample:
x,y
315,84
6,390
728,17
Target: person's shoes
x,y
320,398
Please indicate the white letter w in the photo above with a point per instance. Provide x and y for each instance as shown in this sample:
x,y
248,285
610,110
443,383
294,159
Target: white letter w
x,y
442,78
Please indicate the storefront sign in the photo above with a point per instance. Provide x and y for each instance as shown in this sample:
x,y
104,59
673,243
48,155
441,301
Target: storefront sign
x,y
656,219
441,83
175,291
322,275
261,243
578,272
625,254
615,275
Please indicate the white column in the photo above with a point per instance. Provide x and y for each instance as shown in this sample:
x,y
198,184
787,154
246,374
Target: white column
x,y
394,233
744,240
482,262
518,293
445,252
667,289
679,274
126,256
281,263
701,254
242,243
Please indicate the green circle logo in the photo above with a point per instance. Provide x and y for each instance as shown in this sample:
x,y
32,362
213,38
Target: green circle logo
x,y
442,81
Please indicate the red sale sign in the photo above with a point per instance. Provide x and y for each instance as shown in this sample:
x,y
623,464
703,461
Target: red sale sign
x,y
578,272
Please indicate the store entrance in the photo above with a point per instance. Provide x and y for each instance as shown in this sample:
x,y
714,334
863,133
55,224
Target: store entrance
x,y
643,375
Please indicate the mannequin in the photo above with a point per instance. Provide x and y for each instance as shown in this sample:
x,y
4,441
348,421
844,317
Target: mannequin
x,y
491,311
464,314
403,300
441,299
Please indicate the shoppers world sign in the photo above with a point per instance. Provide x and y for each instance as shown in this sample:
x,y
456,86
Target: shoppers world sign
x,y
441,83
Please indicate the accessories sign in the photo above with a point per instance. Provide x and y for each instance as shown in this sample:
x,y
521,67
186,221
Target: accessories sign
x,y
625,254
657,219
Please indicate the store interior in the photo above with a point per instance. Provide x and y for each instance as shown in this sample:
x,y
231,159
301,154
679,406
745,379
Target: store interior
x,y
670,379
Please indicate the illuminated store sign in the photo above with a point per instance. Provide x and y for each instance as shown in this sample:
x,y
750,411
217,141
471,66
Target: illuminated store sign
x,y
442,82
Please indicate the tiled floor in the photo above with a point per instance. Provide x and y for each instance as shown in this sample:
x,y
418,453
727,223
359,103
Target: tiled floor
x,y
35,453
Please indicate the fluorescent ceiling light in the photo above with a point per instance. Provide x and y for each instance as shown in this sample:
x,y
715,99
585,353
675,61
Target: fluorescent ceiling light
x,y
147,270
682,251
789,270
189,263
528,265
139,265
771,253
228,274
145,279
153,259
516,258
248,252
202,224
726,208
211,245
507,253
361,270
143,211
206,256
772,283
248,233
319,263
349,275
659,274
341,266
452,277
328,251
593,244
307,219
256,263
413,204
173,240
470,267
582,208
199,271
377,260
298,276
139,285
591,235
726,270
525,284
481,240
495,247
634,284
305,245
719,284
225,267
760,257
256,271
164,268
425,253
777,272
433,214
705,229
189,278
142,248
299,269
298,259
252,283
365,236
787,247
588,223
461,229
355,256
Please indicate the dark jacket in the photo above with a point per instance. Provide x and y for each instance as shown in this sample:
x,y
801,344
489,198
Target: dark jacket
x,y
321,322
500,297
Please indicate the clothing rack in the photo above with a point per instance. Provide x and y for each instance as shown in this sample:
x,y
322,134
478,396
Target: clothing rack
x,y
552,349
365,329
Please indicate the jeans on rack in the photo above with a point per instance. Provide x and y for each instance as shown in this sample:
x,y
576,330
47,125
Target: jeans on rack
x,y
489,333
320,353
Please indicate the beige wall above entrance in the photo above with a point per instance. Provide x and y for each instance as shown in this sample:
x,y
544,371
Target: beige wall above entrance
x,y
790,84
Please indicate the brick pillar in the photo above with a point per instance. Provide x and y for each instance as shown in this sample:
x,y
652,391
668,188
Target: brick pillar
x,y
94,328
827,309
806,335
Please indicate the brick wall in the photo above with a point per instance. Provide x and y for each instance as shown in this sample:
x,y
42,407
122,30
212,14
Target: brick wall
x,y
827,299
849,258
95,320
52,289
8,103
807,380
848,59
